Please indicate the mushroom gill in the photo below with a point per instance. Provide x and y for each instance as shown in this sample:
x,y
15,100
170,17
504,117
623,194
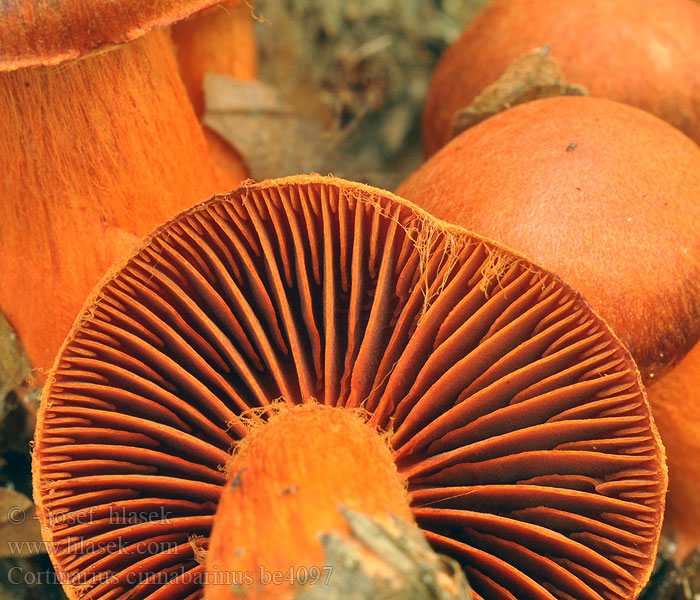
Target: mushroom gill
x,y
517,419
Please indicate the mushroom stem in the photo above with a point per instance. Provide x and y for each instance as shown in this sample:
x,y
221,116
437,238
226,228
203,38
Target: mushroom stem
x,y
219,40
314,507
93,154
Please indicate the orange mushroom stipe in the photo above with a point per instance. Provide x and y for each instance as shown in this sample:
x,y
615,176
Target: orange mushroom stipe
x,y
94,153
603,194
517,419
218,40
644,53
341,481
283,491
88,154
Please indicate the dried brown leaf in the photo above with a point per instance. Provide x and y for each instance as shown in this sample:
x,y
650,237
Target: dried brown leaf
x,y
531,76
274,137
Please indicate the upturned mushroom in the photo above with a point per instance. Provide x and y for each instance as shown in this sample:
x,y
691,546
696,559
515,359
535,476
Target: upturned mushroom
x,y
516,420
98,144
643,53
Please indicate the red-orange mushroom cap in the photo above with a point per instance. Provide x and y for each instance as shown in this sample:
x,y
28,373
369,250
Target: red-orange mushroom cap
x,y
517,418
47,33
602,193
642,52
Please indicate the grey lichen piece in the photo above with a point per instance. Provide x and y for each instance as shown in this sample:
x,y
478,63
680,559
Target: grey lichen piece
x,y
384,560
14,362
531,76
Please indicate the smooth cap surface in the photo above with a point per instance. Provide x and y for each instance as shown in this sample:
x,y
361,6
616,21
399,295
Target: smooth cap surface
x,y
640,52
603,194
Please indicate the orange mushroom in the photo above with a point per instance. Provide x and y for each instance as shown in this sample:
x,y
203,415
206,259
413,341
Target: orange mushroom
x,y
516,419
602,193
607,196
277,498
98,144
218,40
675,402
641,52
